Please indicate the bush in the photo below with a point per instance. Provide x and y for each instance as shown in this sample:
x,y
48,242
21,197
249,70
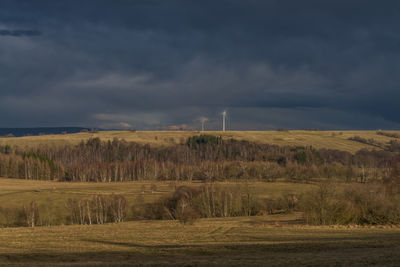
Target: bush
x,y
12,217
321,206
187,204
369,204
188,215
204,139
27,215
388,134
357,204
370,141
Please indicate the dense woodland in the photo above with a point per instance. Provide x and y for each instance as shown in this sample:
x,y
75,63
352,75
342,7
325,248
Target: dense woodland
x,y
206,158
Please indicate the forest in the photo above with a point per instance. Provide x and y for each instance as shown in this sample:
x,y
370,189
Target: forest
x,y
204,158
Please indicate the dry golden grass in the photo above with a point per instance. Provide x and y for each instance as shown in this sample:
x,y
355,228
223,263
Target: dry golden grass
x,y
318,139
52,196
276,240
252,241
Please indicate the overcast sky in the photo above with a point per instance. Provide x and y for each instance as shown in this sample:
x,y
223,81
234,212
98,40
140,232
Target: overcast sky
x,y
148,64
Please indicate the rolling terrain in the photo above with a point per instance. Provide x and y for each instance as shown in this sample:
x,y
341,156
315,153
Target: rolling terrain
x,y
254,241
51,196
318,139
278,239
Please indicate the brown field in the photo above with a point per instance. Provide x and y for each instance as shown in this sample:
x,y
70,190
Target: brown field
x,y
51,196
268,241
318,139
277,240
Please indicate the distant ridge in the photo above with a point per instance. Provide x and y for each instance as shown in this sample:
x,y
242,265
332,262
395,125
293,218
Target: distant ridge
x,y
18,132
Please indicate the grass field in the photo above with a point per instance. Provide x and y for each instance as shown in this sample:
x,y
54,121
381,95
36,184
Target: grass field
x,y
318,139
52,196
277,240
268,241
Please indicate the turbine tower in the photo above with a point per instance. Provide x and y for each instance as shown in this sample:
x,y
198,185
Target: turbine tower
x,y
203,121
224,120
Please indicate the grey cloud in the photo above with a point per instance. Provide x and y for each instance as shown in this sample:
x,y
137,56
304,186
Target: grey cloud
x,y
143,63
19,33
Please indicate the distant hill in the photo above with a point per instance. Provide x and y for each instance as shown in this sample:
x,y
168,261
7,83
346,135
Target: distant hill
x,y
351,141
18,132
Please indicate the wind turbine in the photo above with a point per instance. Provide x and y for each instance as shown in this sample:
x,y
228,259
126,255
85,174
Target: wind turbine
x,y
203,121
223,120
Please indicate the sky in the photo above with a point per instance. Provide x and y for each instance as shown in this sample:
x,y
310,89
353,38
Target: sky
x,y
165,64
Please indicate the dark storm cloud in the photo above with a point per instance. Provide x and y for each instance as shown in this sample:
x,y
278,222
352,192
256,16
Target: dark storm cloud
x,y
18,33
272,64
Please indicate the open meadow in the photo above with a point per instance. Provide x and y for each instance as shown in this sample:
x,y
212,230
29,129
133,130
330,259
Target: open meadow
x,y
258,218
52,196
279,240
318,139
250,241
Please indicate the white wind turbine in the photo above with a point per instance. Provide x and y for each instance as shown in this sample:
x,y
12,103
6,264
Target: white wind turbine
x,y
203,121
223,120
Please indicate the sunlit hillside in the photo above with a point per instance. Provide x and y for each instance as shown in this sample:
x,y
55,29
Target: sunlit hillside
x,y
318,139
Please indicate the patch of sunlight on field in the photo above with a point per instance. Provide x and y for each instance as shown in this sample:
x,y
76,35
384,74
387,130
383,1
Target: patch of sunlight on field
x,y
247,241
54,195
318,139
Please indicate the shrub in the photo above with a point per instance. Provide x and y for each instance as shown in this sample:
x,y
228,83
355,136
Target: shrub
x,y
187,204
358,204
370,141
188,215
321,205
204,139
27,215
11,217
388,134
370,205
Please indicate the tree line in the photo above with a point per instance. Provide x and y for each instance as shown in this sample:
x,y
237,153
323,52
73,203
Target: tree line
x,y
364,204
205,157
